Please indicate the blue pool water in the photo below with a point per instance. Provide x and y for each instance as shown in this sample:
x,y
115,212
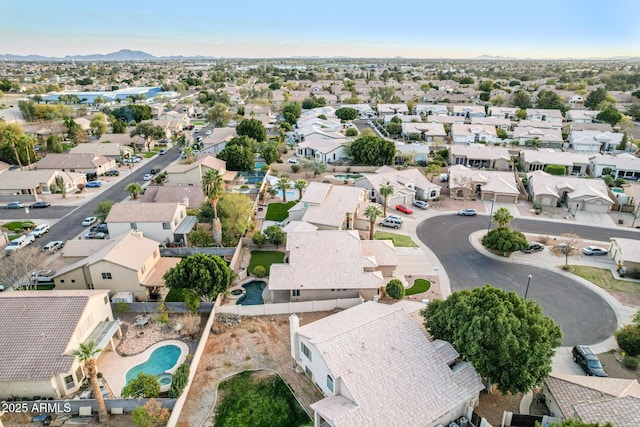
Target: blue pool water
x,y
253,296
291,194
259,165
356,176
160,360
253,177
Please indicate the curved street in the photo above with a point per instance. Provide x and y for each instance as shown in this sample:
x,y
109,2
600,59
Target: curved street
x,y
584,316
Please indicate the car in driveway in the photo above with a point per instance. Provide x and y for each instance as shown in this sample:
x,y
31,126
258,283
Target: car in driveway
x,y
208,132
468,212
420,204
100,228
53,246
40,230
94,184
534,247
39,205
588,361
19,243
391,223
14,205
95,235
395,218
90,220
594,250
112,172
43,276
405,209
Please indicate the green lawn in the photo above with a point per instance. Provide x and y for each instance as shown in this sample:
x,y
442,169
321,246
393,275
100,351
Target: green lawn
x,y
399,240
265,259
19,225
604,278
43,287
278,211
419,286
149,154
250,399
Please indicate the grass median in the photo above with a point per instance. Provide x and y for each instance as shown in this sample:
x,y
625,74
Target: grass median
x,y
399,240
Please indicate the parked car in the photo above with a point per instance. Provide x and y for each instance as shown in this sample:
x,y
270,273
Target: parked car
x,y
405,209
43,276
208,132
94,184
421,204
534,247
395,218
100,228
293,161
391,223
53,246
40,205
594,250
40,230
14,205
468,212
19,243
588,361
112,172
154,171
147,177
94,235
162,152
90,220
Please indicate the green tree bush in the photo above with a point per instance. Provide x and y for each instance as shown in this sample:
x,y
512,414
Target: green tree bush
x,y
259,271
253,128
205,275
151,414
179,381
259,238
347,113
395,289
630,362
505,240
555,169
143,385
629,339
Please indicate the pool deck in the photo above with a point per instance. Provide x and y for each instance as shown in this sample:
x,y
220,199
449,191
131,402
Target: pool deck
x,y
114,367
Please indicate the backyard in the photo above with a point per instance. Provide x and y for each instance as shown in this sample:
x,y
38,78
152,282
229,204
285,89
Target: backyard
x,y
265,259
278,211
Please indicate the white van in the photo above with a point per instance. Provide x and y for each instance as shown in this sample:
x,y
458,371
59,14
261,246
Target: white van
x,y
18,243
391,223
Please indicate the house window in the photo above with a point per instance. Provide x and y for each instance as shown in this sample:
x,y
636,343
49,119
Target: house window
x,y
68,382
305,350
73,280
295,293
308,372
61,280
175,221
166,226
106,276
106,300
133,225
330,383
79,374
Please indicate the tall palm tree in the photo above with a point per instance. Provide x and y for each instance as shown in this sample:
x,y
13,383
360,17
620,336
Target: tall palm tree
x,y
213,187
502,217
385,191
86,354
372,212
300,185
284,184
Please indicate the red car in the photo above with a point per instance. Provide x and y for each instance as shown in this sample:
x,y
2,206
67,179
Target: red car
x,y
404,208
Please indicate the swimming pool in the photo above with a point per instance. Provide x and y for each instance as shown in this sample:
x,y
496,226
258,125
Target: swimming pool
x,y
160,360
253,296
291,194
259,165
356,176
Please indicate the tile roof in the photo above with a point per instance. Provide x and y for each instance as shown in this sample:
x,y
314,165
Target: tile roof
x,y
328,204
323,145
382,251
480,152
430,129
72,161
174,194
549,156
543,183
202,160
630,250
362,348
142,212
36,329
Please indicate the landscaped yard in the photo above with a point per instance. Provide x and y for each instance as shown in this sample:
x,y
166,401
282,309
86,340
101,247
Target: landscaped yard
x,y
604,278
399,240
265,259
258,399
278,211
149,154
19,225
419,286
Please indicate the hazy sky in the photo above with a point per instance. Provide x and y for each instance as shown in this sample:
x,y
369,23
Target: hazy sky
x,y
248,28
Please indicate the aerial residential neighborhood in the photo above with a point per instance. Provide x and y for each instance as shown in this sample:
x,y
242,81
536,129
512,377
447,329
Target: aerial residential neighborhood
x,y
306,238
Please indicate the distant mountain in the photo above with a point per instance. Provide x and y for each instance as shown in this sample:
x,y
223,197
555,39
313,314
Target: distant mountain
x,y
121,55
494,58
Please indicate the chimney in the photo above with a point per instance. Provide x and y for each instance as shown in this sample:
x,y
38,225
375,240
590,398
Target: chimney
x,y
185,201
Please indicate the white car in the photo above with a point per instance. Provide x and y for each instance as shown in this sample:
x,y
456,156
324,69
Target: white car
x,y
90,220
394,218
147,177
53,246
208,132
40,230
292,161
19,243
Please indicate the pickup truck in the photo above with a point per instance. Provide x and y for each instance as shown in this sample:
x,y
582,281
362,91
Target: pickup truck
x,y
19,243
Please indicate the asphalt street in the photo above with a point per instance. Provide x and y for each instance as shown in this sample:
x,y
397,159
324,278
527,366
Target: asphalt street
x,y
585,318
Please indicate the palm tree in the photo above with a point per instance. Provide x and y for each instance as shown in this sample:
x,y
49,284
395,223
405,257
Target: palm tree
x,y
213,187
272,192
502,217
86,354
385,191
372,212
134,189
284,184
300,185
188,152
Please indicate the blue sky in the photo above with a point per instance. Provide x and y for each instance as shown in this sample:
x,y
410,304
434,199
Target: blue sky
x,y
261,29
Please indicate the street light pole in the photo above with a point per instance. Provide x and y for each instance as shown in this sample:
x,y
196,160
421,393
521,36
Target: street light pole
x,y
528,283
491,214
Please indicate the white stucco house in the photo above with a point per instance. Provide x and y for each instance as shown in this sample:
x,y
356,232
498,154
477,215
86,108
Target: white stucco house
x,y
625,165
594,141
408,185
469,134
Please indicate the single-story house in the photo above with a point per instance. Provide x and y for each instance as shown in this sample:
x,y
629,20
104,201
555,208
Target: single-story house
x,y
325,150
594,400
163,222
114,150
429,132
575,163
364,110
217,141
527,135
130,263
625,165
506,112
577,193
386,109
445,120
498,122
581,116
408,185
480,156
331,264
432,110
81,163
469,111
191,196
466,184
594,141
40,330
404,118
546,115
185,173
626,253
600,127
38,181
360,362
468,134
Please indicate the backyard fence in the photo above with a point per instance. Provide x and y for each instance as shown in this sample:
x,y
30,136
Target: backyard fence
x,y
152,307
73,407
289,307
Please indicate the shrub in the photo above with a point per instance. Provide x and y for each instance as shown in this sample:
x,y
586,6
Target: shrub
x,y
190,324
505,240
163,314
259,271
122,307
179,381
395,289
630,362
295,168
259,238
144,385
555,169
351,132
151,414
629,339
191,301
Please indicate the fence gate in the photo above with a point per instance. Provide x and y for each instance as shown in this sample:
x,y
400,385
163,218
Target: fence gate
x,y
520,420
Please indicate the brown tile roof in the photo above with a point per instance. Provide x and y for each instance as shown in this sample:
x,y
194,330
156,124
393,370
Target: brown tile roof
x,y
72,161
174,193
142,212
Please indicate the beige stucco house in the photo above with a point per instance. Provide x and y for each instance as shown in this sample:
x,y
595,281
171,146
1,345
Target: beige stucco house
x,y
535,160
38,181
39,332
480,156
626,253
184,173
578,194
129,263
81,163
474,184
408,185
